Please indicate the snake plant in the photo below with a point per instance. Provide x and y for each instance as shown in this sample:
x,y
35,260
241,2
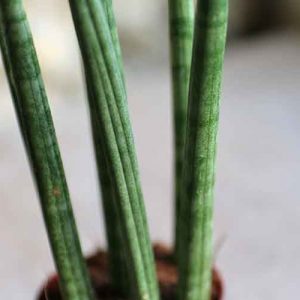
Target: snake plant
x,y
197,38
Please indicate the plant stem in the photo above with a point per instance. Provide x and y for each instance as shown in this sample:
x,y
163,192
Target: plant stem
x,y
115,241
195,253
38,132
117,261
181,23
114,34
110,107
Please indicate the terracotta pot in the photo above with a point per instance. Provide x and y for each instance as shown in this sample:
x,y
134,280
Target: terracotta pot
x,y
98,268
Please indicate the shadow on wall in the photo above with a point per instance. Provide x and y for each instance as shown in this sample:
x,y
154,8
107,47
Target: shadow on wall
x,y
249,17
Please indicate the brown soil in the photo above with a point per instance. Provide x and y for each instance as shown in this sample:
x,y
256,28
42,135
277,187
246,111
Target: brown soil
x,y
98,268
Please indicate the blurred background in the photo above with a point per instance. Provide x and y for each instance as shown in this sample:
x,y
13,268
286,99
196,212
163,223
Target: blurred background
x,y
257,191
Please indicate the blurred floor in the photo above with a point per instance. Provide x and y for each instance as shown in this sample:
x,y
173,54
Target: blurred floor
x,y
257,196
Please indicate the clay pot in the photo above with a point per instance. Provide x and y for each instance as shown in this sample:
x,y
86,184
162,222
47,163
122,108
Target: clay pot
x,y
98,268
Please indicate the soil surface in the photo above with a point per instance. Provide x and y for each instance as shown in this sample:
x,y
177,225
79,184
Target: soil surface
x,y
98,268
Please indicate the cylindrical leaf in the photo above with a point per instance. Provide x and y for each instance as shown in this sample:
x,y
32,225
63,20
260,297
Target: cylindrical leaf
x,y
110,104
39,135
195,252
181,23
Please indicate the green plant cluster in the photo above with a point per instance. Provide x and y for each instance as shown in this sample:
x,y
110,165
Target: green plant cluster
x,y
197,38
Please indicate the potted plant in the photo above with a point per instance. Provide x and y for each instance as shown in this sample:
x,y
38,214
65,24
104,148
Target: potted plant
x,y
129,269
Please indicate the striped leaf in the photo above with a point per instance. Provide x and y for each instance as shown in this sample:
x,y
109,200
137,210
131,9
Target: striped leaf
x,y
108,104
38,132
196,210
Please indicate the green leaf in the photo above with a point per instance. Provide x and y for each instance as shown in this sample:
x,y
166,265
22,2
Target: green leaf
x,y
181,23
108,104
196,211
115,241
38,132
